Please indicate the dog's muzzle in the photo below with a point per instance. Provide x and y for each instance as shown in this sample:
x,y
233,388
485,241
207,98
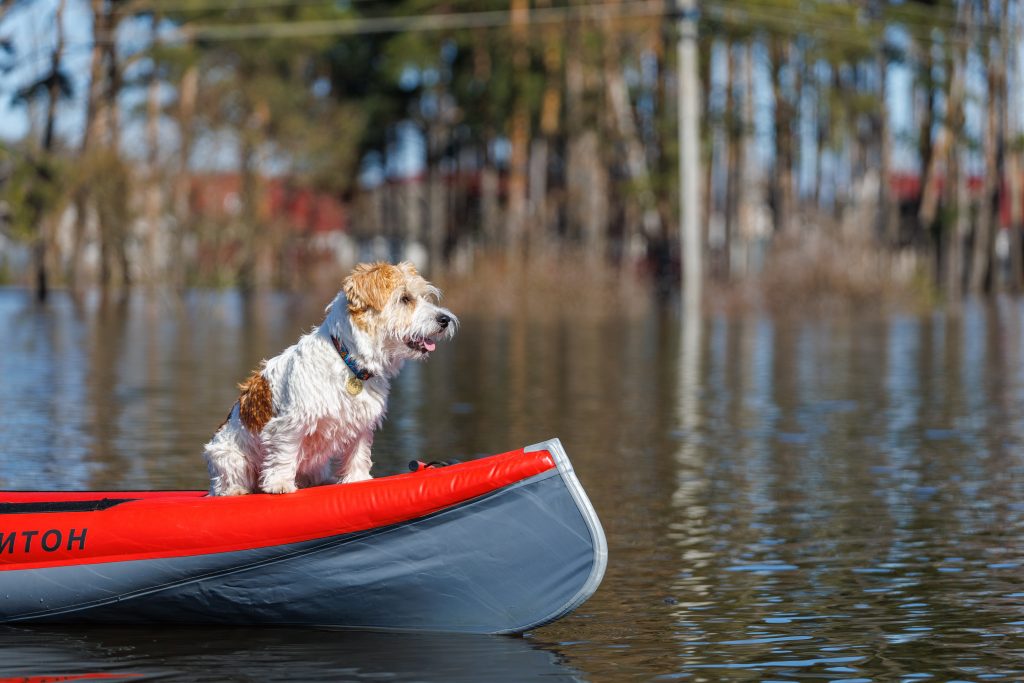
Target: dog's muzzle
x,y
422,345
425,345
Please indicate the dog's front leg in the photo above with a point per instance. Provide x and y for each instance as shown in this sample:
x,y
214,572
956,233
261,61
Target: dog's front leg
x,y
356,466
282,440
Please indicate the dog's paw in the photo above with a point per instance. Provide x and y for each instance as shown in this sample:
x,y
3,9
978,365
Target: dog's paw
x,y
230,491
280,487
353,477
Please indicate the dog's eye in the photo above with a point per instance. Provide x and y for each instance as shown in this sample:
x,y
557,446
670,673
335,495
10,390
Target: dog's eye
x,y
406,299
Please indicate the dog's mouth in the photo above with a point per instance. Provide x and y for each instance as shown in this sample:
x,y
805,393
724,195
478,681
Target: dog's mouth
x,y
425,345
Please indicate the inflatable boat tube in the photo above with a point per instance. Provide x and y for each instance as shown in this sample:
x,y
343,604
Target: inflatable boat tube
x,y
501,544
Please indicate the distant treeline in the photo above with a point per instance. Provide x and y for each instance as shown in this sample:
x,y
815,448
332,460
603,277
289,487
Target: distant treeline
x,y
517,128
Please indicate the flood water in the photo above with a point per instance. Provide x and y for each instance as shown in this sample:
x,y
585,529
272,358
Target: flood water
x,y
785,499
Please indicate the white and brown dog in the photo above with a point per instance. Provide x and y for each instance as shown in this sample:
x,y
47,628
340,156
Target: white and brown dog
x,y
307,416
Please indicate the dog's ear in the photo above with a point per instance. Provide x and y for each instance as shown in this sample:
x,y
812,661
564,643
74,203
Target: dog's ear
x,y
370,286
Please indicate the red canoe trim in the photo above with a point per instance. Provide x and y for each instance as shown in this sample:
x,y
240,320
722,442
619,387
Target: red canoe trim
x,y
165,524
54,496
69,677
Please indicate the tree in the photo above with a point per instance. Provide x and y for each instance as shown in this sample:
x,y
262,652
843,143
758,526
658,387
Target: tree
x,y
42,192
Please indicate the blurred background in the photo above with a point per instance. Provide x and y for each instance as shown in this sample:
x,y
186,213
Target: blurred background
x,y
812,469
865,148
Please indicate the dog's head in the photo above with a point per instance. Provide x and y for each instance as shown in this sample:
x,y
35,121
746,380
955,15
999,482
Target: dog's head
x,y
397,308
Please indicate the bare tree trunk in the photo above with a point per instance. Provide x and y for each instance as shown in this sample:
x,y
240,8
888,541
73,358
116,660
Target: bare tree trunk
x,y
250,278
40,253
490,181
78,230
95,120
797,60
124,235
257,271
636,158
188,91
517,179
987,224
705,154
519,132
538,190
490,212
436,195
840,152
782,178
154,190
40,221
575,124
821,128
749,187
1014,166
733,161
1016,195
590,185
955,261
114,231
53,90
540,152
948,145
941,150
93,129
113,83
886,221
923,232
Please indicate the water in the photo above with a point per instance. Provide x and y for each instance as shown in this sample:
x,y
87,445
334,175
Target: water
x,y
785,499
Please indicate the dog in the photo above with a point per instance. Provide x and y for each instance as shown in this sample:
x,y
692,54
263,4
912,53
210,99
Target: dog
x,y
307,416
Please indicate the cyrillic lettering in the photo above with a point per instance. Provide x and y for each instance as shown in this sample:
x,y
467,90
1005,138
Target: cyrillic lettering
x,y
50,547
80,539
28,539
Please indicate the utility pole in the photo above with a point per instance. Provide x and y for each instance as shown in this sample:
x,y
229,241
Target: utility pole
x,y
689,155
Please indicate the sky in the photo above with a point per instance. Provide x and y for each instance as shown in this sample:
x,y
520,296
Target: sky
x,y
30,27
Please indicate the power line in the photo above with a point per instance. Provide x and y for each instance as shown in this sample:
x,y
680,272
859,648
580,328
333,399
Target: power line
x,y
757,17
906,16
758,10
773,19
425,22
752,15
171,6
903,14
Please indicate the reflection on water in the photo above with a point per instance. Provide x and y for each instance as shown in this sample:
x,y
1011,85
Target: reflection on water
x,y
813,498
205,654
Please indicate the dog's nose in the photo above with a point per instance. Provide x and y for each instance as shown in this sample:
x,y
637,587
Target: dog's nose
x,y
443,320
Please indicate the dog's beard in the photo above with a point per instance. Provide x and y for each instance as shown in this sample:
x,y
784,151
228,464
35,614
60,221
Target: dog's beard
x,y
419,339
402,332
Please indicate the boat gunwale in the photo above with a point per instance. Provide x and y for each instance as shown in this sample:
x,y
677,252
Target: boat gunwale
x,y
319,513
308,548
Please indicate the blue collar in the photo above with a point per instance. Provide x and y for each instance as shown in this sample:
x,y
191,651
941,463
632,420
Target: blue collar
x,y
346,355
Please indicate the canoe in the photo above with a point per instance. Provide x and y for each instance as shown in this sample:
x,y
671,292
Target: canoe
x,y
501,544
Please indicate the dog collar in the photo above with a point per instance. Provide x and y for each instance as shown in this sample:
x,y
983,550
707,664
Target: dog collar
x,y
360,373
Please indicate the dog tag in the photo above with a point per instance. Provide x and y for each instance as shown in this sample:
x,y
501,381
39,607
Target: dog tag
x,y
353,386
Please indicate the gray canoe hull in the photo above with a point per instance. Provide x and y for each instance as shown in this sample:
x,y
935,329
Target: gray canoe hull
x,y
505,562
